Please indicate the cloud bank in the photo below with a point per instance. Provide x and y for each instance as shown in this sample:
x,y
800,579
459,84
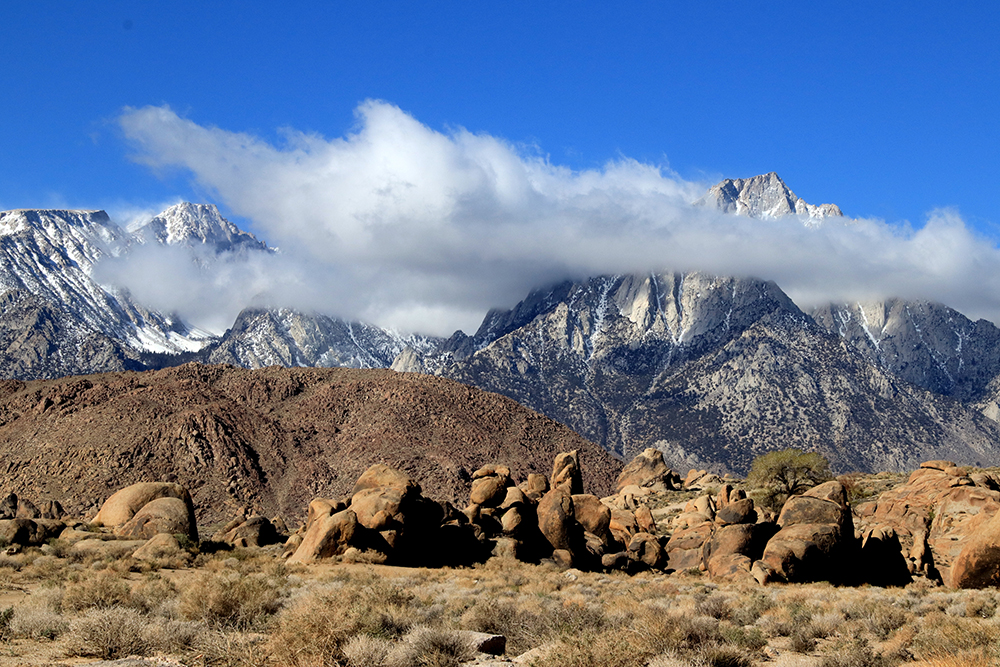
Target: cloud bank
x,y
405,226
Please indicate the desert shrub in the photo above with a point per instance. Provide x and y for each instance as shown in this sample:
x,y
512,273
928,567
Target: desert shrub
x,y
668,660
233,649
803,641
170,636
151,593
878,615
981,606
39,616
5,617
426,647
776,623
503,617
610,648
776,476
315,627
227,599
855,654
101,591
941,636
716,606
750,609
724,656
747,638
367,651
111,633
700,630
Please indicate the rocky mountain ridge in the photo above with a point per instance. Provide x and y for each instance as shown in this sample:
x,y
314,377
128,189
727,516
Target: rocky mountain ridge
x,y
708,370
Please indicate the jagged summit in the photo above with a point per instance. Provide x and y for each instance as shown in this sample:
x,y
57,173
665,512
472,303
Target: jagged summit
x,y
764,196
195,224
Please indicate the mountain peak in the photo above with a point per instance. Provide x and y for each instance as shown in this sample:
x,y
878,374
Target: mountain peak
x,y
195,224
765,196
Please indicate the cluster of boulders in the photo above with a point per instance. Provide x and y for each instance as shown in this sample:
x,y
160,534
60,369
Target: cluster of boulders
x,y
943,524
539,518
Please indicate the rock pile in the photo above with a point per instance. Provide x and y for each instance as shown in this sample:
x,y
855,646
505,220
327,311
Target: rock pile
x,y
387,516
943,519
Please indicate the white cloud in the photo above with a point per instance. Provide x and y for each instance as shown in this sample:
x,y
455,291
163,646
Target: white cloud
x,y
410,227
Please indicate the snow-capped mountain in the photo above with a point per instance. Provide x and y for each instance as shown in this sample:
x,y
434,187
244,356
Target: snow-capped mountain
x,y
712,370
51,255
765,196
195,225
282,337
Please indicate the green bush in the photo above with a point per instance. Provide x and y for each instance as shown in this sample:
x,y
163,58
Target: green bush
x,y
778,475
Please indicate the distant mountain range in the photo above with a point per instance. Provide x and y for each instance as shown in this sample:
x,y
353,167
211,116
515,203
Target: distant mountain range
x,y
712,370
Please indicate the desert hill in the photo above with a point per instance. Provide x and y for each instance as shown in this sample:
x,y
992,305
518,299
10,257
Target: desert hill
x,y
267,440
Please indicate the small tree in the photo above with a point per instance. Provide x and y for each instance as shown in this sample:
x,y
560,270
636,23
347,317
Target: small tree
x,y
787,472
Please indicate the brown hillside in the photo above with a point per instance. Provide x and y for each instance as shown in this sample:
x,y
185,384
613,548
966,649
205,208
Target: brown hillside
x,y
267,440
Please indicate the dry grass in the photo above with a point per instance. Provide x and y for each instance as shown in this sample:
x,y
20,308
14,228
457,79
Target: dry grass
x,y
245,608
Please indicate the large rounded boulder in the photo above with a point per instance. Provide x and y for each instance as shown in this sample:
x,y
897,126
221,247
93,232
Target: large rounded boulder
x,y
162,515
816,540
125,503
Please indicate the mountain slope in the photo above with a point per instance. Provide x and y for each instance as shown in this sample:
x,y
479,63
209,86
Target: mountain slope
x,y
710,370
282,337
928,344
267,440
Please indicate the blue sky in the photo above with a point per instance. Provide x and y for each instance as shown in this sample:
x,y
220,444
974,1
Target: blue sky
x,y
888,109
469,151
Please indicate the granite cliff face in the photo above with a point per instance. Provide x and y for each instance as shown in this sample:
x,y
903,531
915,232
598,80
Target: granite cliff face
x,y
927,344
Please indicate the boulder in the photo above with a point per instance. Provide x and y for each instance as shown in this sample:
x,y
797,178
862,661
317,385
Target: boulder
x,y
882,562
8,507
490,491
257,531
556,520
746,540
123,505
622,525
646,549
566,472
51,509
644,519
807,552
977,565
515,497
381,476
163,515
328,536
933,515
161,545
684,548
816,540
593,515
735,512
648,469
27,510
320,507
535,486
29,532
